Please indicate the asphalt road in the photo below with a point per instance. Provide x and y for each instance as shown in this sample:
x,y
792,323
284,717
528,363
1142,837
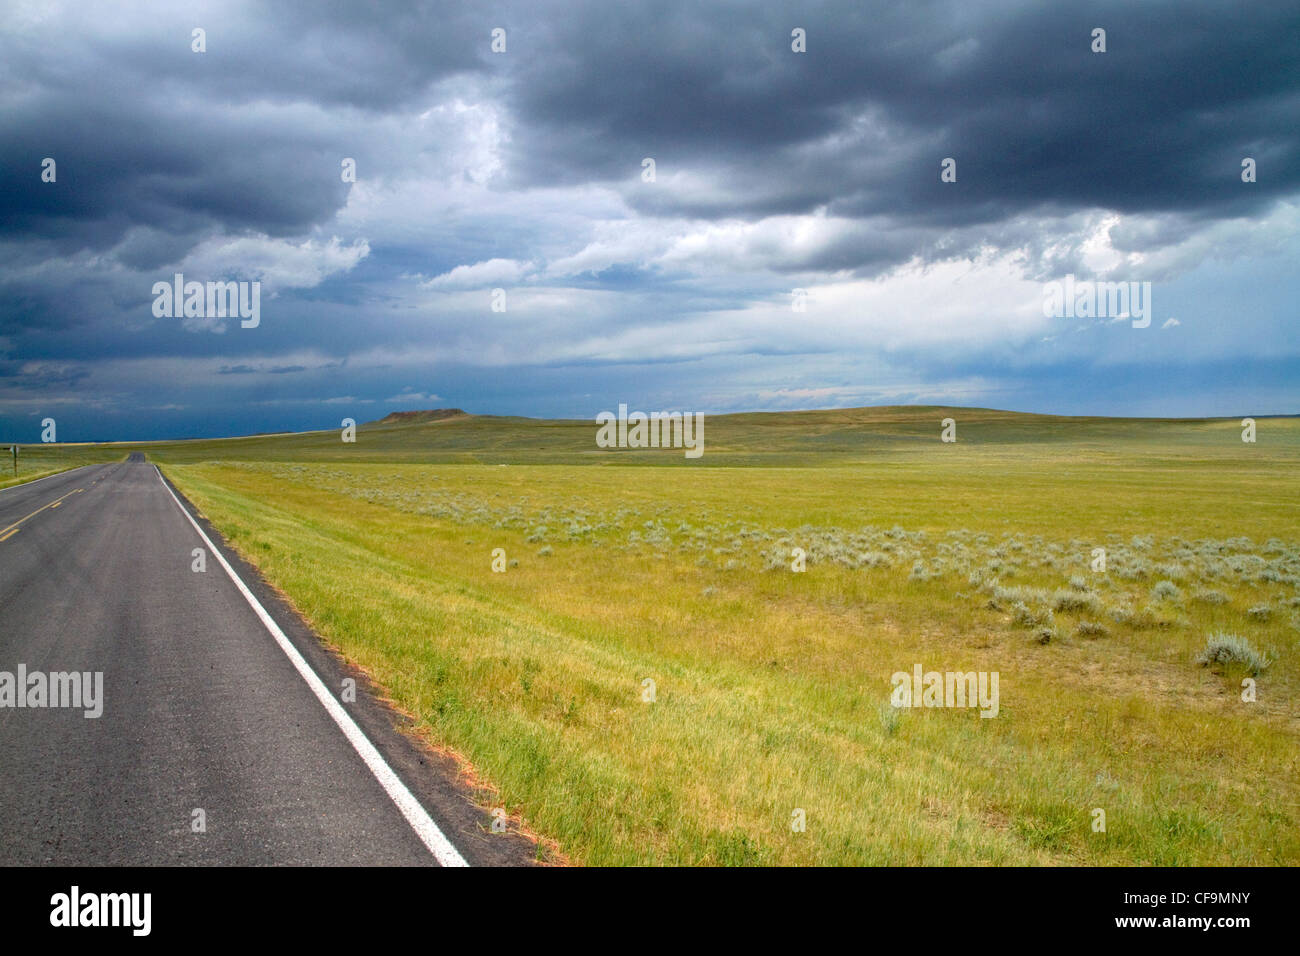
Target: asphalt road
x,y
202,709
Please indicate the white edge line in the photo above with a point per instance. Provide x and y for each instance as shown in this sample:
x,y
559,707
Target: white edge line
x,y
416,815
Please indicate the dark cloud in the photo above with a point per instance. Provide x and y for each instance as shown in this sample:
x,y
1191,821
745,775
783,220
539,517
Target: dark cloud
x,y
247,136
861,121
274,369
531,156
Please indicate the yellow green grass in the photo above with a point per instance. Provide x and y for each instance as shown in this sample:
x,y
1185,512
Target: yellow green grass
x,y
772,688
42,460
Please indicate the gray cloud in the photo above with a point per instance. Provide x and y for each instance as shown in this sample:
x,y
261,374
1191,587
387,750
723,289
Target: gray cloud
x,y
860,122
522,169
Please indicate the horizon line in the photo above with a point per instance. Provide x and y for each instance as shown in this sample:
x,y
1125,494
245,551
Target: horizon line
x,y
459,413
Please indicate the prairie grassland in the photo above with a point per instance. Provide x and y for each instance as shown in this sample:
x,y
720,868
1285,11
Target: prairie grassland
x,y
40,460
772,688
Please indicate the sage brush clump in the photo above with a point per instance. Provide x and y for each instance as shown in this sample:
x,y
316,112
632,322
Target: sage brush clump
x,y
1166,591
1074,601
1026,616
1231,649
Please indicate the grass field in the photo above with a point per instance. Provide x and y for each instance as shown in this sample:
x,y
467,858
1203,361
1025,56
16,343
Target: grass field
x,y
771,687
40,461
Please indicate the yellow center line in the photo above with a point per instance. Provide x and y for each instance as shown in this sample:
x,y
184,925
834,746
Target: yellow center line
x,y
12,530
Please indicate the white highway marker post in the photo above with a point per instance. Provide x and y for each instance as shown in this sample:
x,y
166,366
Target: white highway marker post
x,y
415,814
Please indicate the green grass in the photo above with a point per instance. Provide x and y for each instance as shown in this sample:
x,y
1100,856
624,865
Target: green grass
x,y
799,439
773,687
42,460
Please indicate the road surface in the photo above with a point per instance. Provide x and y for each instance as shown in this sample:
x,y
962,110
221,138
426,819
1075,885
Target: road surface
x,y
202,710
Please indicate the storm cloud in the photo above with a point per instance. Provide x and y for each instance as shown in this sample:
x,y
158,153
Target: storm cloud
x,y
779,176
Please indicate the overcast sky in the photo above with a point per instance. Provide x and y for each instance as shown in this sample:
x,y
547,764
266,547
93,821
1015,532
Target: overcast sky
x,y
522,170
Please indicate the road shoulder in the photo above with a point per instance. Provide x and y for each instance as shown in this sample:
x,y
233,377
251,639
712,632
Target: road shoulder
x,y
437,780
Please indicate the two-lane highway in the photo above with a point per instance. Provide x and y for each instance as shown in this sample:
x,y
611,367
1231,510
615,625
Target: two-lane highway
x,y
212,746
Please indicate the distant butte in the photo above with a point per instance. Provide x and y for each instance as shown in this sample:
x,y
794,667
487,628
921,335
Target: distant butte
x,y
426,415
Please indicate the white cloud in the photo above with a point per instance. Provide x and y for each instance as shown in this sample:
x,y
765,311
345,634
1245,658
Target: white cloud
x,y
407,397
493,272
277,263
